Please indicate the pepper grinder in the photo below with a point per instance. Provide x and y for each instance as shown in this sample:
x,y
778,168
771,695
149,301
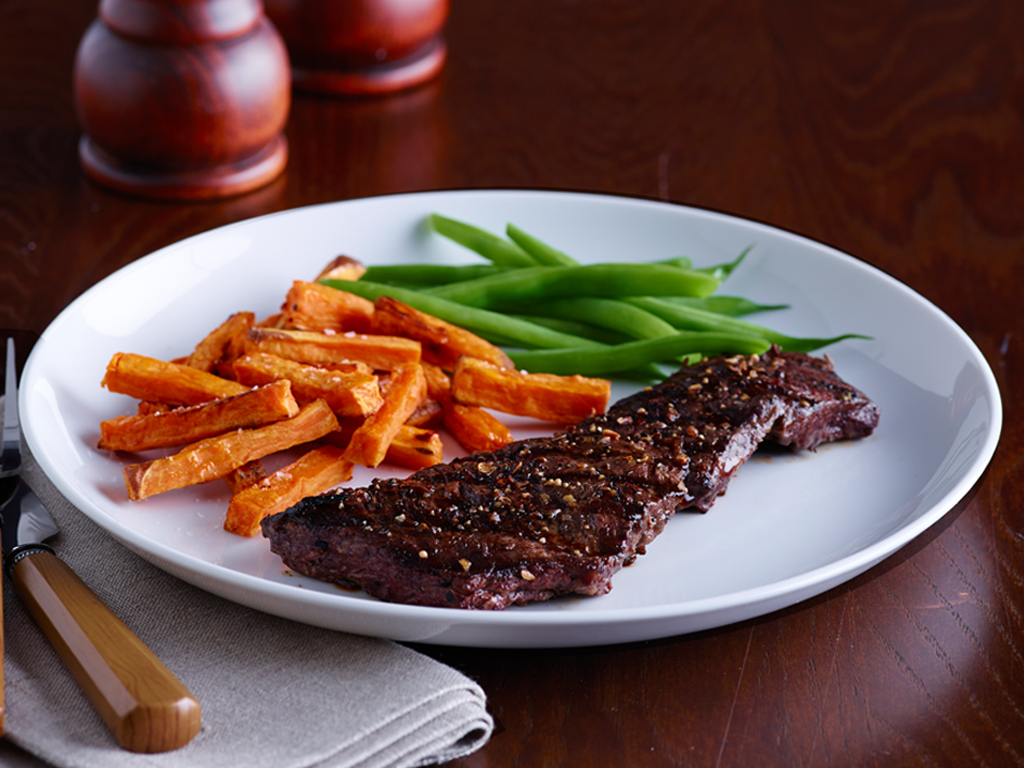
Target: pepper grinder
x,y
362,47
182,99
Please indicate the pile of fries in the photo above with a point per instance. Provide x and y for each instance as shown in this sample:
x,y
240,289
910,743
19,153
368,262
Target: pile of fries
x,y
344,380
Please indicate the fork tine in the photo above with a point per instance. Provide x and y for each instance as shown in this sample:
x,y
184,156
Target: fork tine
x,y
10,458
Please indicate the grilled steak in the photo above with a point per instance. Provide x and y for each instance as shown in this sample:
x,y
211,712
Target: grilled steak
x,y
561,515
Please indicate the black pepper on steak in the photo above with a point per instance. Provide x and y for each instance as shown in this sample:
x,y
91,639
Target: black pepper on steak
x,y
561,515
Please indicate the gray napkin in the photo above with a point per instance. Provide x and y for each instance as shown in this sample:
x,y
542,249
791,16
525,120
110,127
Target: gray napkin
x,y
273,692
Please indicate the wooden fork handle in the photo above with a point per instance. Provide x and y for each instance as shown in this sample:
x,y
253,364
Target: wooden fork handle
x,y
145,706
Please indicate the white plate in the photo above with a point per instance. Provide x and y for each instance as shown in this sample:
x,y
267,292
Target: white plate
x,y
790,527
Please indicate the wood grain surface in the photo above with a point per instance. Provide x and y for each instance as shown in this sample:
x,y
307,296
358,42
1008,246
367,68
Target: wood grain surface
x,y
892,130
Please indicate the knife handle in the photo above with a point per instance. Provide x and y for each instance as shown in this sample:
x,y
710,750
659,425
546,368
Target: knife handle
x,y
145,706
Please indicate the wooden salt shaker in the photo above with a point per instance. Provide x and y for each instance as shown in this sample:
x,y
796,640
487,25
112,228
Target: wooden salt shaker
x,y
362,47
182,99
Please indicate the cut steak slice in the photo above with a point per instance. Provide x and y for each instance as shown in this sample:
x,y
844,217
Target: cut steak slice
x,y
561,515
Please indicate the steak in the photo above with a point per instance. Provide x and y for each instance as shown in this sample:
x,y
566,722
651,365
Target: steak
x,y
560,515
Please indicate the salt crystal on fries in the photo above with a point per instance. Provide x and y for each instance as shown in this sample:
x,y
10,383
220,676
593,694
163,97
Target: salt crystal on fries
x,y
350,389
317,307
146,408
146,378
443,343
182,426
215,457
379,352
314,472
406,390
543,396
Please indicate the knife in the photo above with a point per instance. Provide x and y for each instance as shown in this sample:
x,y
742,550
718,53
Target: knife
x,y
145,706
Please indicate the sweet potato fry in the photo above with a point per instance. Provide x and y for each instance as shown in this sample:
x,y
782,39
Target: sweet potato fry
x,y
316,307
182,426
429,449
415,448
350,389
443,343
544,396
379,352
223,344
340,437
273,321
146,378
429,415
248,474
342,268
215,457
406,391
439,383
314,472
474,428
146,408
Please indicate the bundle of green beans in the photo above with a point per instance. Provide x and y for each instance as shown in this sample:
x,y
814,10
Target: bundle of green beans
x,y
556,315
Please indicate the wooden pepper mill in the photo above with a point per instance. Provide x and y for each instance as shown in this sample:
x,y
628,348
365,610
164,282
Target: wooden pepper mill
x,y
362,47
182,99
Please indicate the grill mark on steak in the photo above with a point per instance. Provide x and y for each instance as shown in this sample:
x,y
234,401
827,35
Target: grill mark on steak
x,y
561,515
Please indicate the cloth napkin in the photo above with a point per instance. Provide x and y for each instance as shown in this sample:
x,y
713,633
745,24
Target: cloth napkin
x,y
273,692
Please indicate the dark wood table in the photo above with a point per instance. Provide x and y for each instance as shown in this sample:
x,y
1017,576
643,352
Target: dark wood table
x,y
892,131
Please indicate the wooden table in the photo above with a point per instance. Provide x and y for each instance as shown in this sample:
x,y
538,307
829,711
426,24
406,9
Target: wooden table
x,y
892,131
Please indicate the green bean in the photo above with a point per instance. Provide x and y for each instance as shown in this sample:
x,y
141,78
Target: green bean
x,y
558,316
482,321
722,271
615,317
603,280
541,252
683,262
733,306
694,319
605,313
420,275
588,361
496,250
576,328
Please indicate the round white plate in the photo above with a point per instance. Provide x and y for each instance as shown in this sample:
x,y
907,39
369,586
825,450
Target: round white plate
x,y
790,526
